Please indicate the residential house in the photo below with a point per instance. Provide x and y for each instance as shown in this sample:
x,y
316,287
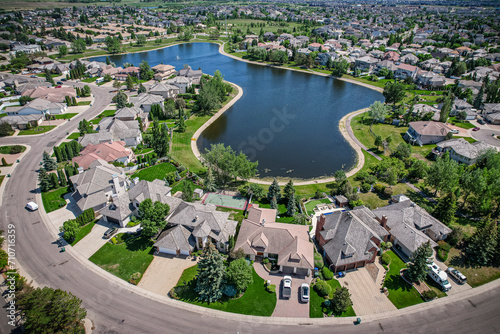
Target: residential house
x,y
183,83
194,75
366,63
391,55
38,106
163,89
429,79
23,121
163,72
409,59
426,132
51,94
146,100
461,150
424,109
261,237
405,71
133,113
322,58
96,186
491,112
109,152
350,239
126,131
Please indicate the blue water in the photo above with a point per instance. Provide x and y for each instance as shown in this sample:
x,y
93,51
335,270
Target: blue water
x,y
286,120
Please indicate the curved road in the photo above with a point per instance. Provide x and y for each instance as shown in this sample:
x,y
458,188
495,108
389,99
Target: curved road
x,y
115,308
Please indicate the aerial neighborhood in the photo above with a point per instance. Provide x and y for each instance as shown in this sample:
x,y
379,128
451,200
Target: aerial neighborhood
x,y
116,125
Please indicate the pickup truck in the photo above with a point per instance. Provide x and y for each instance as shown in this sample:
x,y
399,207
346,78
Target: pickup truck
x,y
287,287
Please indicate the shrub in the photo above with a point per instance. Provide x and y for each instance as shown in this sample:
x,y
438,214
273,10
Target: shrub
x,y
265,261
444,246
385,266
366,187
16,149
429,294
442,255
133,223
378,188
327,273
388,192
113,240
322,288
385,258
361,175
271,288
134,278
318,261
173,294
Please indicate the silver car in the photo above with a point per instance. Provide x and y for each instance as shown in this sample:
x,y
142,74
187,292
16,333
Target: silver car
x,y
457,275
304,293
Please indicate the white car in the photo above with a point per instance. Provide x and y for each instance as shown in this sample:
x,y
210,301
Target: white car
x,y
455,131
32,206
304,292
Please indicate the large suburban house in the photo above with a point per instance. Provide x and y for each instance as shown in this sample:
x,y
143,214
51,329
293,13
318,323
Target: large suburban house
x,y
426,132
145,101
261,237
133,113
194,75
96,186
182,83
163,72
491,112
109,152
461,150
126,205
350,239
410,226
112,129
24,121
38,106
164,89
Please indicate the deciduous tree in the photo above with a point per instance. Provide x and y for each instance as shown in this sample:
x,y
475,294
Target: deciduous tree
x,y
239,274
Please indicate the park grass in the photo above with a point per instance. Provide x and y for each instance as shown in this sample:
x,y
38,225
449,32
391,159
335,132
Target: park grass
x,y
6,149
84,230
53,200
74,135
475,276
132,256
36,131
316,301
379,84
65,116
243,24
255,301
401,294
312,204
155,172
84,103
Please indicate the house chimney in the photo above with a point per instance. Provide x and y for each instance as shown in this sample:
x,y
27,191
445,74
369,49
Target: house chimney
x,y
263,222
383,221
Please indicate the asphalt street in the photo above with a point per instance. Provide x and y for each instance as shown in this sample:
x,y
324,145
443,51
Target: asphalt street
x,y
116,309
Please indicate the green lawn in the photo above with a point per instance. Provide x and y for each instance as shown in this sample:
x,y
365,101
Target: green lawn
x,y
53,200
475,276
84,103
283,217
6,149
35,131
66,116
256,300
271,26
312,204
316,301
469,139
2,177
461,124
84,230
3,115
74,135
434,286
401,294
89,80
155,172
177,186
125,259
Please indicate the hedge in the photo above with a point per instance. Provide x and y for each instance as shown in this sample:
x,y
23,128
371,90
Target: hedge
x,y
322,288
327,273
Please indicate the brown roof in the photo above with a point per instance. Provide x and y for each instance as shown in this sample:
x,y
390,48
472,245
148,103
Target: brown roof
x,y
429,128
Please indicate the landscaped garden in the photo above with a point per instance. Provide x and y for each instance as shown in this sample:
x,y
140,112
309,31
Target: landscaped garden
x,y
14,149
316,302
84,230
312,204
36,131
53,200
126,259
155,172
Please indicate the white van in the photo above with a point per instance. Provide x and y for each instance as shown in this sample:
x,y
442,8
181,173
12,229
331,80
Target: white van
x,y
439,276
32,206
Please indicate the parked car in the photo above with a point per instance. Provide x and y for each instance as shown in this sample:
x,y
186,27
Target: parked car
x,y
476,129
480,121
457,275
59,83
287,287
304,292
455,131
63,79
109,233
32,206
33,76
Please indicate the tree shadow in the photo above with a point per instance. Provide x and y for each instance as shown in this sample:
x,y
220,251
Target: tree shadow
x,y
396,282
139,244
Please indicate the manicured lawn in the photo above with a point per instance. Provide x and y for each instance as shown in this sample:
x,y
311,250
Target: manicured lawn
x,y
74,135
53,200
155,172
84,230
283,217
312,204
35,131
3,115
107,113
66,116
475,276
401,294
234,213
469,139
434,286
460,124
315,304
89,80
84,103
374,200
6,149
125,259
2,177
255,301
178,186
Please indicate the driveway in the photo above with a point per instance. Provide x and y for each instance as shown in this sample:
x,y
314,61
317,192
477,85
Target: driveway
x,y
70,211
164,272
286,307
366,294
488,136
94,240
455,287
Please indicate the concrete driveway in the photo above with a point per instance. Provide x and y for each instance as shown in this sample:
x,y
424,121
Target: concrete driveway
x,y
286,307
487,135
70,211
366,294
455,287
94,240
164,272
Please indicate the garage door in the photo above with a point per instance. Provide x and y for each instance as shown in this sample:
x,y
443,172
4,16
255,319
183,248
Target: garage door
x,y
184,252
167,250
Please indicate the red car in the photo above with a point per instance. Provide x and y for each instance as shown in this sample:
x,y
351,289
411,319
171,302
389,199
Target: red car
x,y
476,129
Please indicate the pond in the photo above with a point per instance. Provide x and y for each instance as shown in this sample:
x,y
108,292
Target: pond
x,y
286,120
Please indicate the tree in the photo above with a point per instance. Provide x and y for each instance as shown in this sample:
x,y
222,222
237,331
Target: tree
x,y
274,191
48,77
187,190
289,190
152,216
341,300
70,229
79,45
113,44
210,275
63,50
47,310
340,67
117,84
54,181
394,92
377,111
181,126
445,209
141,89
48,162
478,101
418,267
445,109
149,228
120,99
85,127
141,40
145,71
403,151
482,245
418,169
443,174
209,181
291,207
239,274
62,178
378,141
129,82
43,180
160,138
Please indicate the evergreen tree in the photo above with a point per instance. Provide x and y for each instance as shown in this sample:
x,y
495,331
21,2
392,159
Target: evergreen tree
x,y
211,274
417,269
274,192
445,109
288,191
341,300
209,181
64,154
181,126
62,178
445,209
482,246
141,89
48,162
43,180
69,151
291,207
187,191
73,101
478,101
129,82
274,203
54,181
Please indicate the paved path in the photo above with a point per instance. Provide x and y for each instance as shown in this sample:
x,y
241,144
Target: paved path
x,y
291,307
94,240
70,211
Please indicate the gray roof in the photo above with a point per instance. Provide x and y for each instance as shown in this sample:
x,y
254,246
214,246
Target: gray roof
x,y
349,235
131,112
21,119
465,149
178,238
95,138
147,99
119,129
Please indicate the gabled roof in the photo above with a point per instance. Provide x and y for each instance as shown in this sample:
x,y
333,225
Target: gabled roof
x,y
177,238
464,148
430,128
110,151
